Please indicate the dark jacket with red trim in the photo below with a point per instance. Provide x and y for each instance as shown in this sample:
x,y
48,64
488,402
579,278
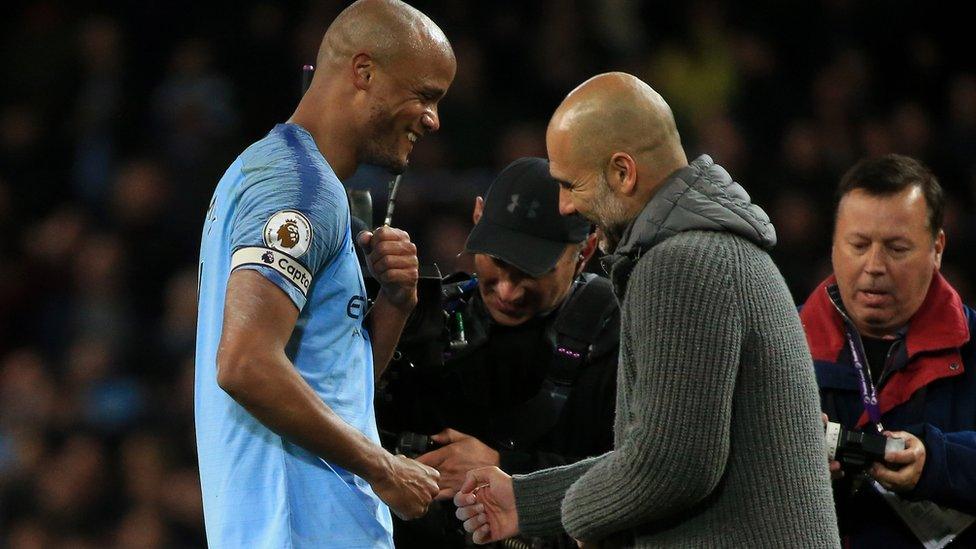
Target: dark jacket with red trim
x,y
930,391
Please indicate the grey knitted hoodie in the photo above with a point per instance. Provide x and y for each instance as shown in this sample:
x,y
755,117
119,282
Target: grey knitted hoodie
x,y
718,440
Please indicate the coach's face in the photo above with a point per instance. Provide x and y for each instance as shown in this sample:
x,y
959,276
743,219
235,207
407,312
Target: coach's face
x,y
884,257
585,191
406,93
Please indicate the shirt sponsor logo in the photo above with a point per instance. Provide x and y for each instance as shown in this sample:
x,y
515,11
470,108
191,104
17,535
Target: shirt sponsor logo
x,y
355,307
288,231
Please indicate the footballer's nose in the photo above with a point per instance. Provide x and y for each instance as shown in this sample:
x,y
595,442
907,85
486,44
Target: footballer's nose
x,y
431,120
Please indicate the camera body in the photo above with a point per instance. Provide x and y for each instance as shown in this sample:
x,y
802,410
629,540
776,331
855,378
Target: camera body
x,y
856,450
413,444
441,326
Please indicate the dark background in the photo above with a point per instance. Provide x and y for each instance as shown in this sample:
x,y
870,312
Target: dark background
x,y
117,120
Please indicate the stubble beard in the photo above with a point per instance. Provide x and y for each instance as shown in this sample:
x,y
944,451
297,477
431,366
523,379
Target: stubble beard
x,y
611,216
378,149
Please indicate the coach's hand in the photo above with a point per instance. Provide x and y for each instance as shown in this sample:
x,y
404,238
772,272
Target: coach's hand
x,y
408,488
486,505
392,259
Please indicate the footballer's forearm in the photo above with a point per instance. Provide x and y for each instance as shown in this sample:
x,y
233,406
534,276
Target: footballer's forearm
x,y
254,370
271,390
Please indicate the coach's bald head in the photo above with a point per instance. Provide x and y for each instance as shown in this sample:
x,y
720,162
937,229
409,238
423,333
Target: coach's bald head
x,y
611,143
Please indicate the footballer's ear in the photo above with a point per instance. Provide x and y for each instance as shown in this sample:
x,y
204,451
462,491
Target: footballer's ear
x,y
363,69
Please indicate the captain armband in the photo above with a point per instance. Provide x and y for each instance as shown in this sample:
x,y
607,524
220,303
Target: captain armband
x,y
287,266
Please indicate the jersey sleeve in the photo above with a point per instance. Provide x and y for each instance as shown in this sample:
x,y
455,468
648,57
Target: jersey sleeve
x,y
289,227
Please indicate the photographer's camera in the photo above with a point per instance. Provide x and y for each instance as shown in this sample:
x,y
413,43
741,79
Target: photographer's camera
x,y
856,450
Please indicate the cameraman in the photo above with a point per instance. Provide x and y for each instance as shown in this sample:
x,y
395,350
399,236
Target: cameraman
x,y
889,309
523,373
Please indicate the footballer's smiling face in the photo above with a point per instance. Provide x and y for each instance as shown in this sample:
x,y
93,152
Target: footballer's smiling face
x,y
406,93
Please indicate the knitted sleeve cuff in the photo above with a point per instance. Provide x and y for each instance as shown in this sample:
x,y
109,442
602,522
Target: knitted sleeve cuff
x,y
539,497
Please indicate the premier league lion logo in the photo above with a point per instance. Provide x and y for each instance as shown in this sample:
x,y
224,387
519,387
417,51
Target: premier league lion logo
x,y
267,257
288,231
288,234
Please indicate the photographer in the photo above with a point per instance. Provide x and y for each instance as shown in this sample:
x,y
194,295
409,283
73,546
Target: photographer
x,y
892,349
521,372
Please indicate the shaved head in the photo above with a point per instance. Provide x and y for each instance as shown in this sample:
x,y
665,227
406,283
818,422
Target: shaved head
x,y
387,30
612,142
382,69
616,112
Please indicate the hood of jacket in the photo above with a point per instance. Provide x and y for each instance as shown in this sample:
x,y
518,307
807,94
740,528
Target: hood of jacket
x,y
699,197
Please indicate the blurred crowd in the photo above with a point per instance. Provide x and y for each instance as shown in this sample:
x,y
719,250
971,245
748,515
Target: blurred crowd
x,y
117,120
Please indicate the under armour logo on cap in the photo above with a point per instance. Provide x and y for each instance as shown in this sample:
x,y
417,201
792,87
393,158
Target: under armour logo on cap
x,y
514,205
521,224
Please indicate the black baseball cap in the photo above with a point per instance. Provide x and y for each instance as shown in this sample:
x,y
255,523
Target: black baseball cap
x,y
521,224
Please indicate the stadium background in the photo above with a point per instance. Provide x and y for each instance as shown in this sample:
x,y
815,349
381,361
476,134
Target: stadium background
x,y
117,119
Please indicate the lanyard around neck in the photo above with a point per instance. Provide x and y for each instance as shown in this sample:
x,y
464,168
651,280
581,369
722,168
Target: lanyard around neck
x,y
869,393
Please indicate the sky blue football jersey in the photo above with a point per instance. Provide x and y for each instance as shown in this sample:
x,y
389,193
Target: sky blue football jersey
x,y
281,211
